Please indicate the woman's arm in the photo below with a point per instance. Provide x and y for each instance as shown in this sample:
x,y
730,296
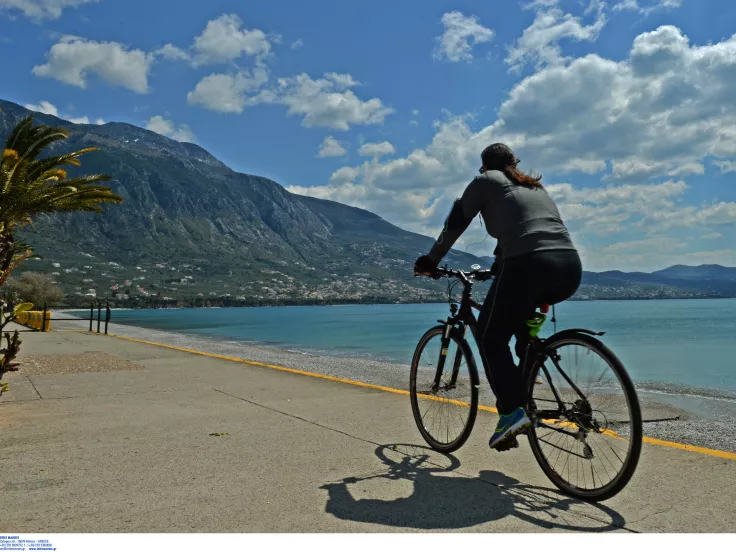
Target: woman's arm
x,y
463,211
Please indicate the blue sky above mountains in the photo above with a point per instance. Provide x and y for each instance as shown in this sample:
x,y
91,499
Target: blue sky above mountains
x,y
627,107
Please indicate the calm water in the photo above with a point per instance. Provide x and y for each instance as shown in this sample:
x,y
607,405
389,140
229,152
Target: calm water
x,y
683,346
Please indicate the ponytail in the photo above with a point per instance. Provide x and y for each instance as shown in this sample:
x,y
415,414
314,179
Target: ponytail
x,y
522,178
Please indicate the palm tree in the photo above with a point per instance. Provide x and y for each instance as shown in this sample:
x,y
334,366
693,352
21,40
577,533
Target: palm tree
x,y
30,186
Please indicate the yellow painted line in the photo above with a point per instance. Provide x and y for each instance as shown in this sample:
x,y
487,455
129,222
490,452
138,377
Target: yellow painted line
x,y
650,440
691,448
264,365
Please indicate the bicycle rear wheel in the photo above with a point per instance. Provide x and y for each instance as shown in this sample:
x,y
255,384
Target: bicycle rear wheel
x,y
444,408
587,426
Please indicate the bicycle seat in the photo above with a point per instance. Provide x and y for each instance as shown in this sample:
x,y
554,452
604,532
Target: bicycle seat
x,y
543,308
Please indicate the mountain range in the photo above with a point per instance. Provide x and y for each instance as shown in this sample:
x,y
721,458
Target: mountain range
x,y
184,207
192,227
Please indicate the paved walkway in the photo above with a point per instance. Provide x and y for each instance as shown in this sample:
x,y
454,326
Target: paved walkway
x,y
132,449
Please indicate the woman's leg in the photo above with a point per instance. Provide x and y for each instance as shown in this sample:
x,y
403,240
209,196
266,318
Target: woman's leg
x,y
505,311
522,285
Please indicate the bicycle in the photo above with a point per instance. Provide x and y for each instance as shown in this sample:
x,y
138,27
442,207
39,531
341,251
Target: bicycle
x,y
568,416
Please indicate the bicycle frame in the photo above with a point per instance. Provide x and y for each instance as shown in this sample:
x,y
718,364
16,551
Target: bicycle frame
x,y
463,318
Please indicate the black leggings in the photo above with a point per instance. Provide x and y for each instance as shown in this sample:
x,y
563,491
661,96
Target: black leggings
x,y
523,283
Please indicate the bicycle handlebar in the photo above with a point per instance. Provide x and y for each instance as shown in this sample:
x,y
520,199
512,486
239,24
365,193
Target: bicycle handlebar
x,y
464,276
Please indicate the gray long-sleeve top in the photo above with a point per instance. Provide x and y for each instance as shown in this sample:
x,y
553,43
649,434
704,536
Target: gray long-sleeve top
x,y
522,219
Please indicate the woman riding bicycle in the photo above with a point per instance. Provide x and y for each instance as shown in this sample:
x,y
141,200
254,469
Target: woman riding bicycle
x,y
536,263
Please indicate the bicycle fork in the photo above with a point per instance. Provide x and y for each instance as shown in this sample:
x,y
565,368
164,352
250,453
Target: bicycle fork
x,y
445,346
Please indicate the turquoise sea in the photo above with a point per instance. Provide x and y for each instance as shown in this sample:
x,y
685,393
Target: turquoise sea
x,y
685,348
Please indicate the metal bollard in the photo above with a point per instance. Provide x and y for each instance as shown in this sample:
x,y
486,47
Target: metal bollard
x,y
99,316
91,315
107,317
43,319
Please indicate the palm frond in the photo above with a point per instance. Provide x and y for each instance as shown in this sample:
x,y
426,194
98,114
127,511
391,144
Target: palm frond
x,y
20,130
45,139
30,186
40,166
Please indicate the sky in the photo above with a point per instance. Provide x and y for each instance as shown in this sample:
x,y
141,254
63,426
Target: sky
x,y
626,107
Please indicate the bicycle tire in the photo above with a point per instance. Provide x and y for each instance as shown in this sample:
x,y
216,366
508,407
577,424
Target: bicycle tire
x,y
463,346
620,481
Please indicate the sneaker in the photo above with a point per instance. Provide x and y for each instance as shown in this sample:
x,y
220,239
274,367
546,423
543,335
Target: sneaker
x,y
510,425
508,444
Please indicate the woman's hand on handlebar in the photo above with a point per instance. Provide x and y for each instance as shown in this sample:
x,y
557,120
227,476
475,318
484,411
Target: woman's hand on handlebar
x,y
424,266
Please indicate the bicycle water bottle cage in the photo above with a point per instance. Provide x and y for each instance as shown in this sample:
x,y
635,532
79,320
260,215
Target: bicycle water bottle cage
x,y
535,324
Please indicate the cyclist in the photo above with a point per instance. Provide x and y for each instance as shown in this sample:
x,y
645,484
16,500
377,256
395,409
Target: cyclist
x,y
535,263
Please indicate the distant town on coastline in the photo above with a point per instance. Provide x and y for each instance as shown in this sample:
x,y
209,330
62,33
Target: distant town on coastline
x,y
192,232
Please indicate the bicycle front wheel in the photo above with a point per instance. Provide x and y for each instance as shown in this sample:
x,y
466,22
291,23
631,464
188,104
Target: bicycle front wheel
x,y
587,427
445,401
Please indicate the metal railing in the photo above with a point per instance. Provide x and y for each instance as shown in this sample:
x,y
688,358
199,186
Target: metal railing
x,y
45,315
99,316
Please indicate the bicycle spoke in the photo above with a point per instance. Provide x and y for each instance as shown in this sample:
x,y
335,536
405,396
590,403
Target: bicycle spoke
x,y
444,406
593,422
612,449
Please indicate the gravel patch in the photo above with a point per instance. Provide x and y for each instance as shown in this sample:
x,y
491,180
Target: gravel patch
x,y
90,361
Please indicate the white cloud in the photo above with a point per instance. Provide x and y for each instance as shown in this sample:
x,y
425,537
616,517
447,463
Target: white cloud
x,y
44,107
540,42
660,113
50,109
537,4
595,6
182,133
331,147
460,30
41,9
711,236
327,102
613,209
73,59
377,150
653,254
415,112
227,93
647,259
298,43
661,244
344,175
173,53
341,80
224,39
646,6
726,166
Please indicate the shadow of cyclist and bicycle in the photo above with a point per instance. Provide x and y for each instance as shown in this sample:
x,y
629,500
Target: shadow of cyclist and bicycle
x,y
444,498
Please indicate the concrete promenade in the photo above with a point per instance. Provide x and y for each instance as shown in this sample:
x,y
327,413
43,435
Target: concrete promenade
x,y
103,434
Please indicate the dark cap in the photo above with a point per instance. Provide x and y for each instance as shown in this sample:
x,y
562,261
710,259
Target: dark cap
x,y
497,157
